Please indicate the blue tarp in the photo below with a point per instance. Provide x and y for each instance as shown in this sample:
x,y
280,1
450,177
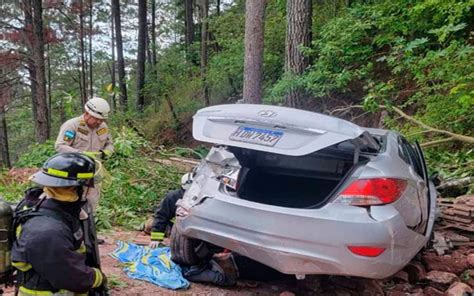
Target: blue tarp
x,y
151,265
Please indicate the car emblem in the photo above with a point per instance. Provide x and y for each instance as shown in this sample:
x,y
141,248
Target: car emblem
x,y
267,113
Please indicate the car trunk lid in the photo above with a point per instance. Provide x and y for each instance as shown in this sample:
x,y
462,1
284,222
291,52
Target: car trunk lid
x,y
276,129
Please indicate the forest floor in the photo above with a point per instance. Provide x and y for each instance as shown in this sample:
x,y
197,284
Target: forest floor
x,y
428,274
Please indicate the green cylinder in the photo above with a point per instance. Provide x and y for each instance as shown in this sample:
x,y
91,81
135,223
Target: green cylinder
x,y
6,217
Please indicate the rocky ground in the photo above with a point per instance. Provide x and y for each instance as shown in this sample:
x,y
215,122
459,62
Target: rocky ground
x,y
429,274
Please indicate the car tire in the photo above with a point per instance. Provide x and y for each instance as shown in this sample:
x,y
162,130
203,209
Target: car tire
x,y
188,251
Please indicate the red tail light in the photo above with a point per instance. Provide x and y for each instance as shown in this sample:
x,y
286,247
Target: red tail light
x,y
367,192
366,251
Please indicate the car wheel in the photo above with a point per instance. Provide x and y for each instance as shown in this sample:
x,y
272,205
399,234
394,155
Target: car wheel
x,y
188,251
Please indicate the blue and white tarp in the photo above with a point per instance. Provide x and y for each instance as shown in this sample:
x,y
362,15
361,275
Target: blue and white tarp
x,y
151,265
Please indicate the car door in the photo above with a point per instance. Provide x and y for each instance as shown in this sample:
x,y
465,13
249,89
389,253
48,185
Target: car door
x,y
426,205
413,156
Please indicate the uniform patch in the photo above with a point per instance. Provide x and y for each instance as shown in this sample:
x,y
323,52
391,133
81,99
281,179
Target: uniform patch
x,y
69,135
102,131
83,131
82,123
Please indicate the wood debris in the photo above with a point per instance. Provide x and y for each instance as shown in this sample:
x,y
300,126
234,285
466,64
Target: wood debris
x,y
457,213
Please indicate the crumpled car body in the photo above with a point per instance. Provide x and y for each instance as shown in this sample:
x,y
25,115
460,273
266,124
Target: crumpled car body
x,y
306,193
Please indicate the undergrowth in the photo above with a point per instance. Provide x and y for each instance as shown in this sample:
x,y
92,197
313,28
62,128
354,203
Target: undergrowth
x,y
135,185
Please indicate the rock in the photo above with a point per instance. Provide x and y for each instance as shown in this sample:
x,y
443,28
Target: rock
x,y
415,271
458,289
454,263
432,291
470,260
371,288
441,279
468,277
401,276
342,293
399,290
417,292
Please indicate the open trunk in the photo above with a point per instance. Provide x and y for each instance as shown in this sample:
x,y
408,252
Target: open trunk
x,y
294,182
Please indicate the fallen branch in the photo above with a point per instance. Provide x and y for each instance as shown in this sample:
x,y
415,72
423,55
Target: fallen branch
x,y
453,135
435,142
456,183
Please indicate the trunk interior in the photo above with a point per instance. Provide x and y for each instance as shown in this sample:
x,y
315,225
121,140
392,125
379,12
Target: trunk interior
x,y
290,181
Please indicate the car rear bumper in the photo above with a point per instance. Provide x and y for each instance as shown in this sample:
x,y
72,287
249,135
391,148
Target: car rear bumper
x,y
305,241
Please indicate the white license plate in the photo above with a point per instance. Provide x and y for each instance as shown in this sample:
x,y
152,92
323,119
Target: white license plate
x,y
256,136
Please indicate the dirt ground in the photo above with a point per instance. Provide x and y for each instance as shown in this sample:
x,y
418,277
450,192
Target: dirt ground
x,y
425,275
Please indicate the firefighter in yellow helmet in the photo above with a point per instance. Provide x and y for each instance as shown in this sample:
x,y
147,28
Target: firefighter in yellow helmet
x,y
49,251
90,135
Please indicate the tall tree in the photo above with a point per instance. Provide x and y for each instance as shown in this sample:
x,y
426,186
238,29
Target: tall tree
x,y
82,54
30,63
120,60
112,70
253,66
188,23
153,32
42,130
91,82
142,31
204,48
298,34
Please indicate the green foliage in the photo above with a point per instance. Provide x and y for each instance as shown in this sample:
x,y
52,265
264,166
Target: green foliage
x,y
137,183
37,155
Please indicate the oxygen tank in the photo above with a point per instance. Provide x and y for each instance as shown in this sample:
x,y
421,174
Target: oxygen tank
x,y
6,217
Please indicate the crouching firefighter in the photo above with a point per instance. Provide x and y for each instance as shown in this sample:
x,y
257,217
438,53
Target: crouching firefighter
x,y
48,248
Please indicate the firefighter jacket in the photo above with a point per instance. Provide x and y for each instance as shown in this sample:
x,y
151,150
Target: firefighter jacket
x,y
76,136
49,252
164,214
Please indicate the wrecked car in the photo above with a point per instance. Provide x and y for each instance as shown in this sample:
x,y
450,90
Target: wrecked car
x,y
304,193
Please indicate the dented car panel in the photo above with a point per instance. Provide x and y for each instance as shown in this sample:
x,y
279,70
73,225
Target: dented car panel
x,y
326,236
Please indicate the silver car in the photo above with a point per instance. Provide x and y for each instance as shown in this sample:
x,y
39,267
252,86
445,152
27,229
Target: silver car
x,y
304,193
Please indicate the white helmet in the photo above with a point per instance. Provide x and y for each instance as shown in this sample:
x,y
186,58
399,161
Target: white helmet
x,y
186,181
98,107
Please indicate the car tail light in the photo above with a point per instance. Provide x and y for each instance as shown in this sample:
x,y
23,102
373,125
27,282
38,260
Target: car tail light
x,y
366,251
368,192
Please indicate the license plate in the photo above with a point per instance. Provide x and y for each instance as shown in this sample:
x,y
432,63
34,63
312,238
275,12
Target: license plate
x,y
256,136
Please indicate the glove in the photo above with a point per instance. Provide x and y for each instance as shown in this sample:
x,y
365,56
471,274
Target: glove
x,y
103,281
91,154
105,153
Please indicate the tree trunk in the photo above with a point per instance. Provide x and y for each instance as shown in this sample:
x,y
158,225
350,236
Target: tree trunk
x,y
49,89
218,7
82,49
188,23
153,32
30,64
4,151
112,49
42,131
142,30
298,33
253,67
120,59
91,81
5,95
204,49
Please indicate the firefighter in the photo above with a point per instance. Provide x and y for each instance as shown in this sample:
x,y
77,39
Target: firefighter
x,y
90,135
49,251
166,210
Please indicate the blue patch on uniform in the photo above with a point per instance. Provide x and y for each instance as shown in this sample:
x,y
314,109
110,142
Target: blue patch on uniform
x,y
69,135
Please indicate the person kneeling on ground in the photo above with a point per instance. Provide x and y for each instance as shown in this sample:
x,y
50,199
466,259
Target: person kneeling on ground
x,y
163,218
225,268
48,250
